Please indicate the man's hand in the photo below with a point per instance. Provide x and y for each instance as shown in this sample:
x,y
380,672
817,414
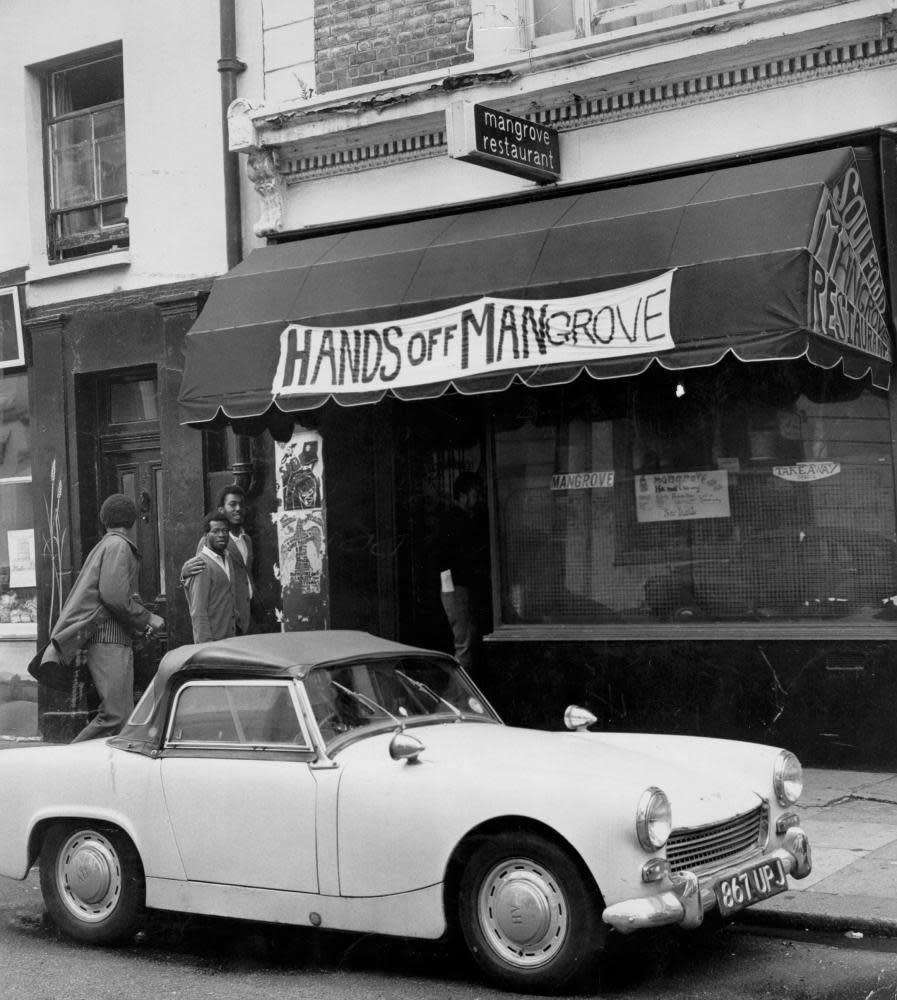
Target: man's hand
x,y
156,624
192,567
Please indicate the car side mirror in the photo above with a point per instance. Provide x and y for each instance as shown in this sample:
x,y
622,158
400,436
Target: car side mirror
x,y
577,718
403,746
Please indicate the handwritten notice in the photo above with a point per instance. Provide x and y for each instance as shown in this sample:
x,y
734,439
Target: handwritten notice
x,y
806,472
682,496
21,558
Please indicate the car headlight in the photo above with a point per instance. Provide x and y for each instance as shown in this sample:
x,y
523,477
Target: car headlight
x,y
653,820
787,778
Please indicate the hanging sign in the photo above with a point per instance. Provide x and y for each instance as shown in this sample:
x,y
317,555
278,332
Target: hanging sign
x,y
484,337
495,139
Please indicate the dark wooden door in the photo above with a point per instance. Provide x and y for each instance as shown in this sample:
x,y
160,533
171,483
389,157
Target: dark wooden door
x,y
135,469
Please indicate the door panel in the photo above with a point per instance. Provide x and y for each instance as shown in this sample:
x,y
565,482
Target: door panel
x,y
244,822
137,472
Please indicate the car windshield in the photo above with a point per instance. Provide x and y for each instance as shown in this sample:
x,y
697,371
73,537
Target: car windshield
x,y
411,690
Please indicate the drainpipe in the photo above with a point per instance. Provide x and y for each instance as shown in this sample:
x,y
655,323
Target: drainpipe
x,y
229,68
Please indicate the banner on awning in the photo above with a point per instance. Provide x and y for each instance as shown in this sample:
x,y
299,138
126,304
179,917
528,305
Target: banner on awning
x,y
488,335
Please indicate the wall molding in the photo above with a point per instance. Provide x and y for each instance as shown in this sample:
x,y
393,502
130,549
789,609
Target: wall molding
x,y
686,91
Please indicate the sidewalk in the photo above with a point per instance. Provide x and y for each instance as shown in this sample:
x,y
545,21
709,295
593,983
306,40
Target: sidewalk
x,y
850,818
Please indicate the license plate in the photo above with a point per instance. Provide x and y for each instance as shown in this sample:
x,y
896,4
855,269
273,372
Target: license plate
x,y
749,886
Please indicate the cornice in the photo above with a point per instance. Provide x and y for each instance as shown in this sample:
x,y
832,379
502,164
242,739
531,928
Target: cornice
x,y
354,154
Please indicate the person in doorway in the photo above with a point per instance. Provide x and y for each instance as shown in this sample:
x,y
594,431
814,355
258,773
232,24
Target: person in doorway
x,y
463,553
232,501
102,615
210,592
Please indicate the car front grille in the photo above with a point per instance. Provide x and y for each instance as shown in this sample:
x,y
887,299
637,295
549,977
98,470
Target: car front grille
x,y
709,848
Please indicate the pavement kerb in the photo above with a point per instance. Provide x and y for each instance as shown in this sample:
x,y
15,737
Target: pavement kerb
x,y
810,920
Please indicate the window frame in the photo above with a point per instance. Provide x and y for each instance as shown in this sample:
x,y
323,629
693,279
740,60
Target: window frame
x,y
257,749
512,625
101,239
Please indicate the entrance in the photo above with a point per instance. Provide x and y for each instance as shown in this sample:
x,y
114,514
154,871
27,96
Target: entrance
x,y
436,440
125,457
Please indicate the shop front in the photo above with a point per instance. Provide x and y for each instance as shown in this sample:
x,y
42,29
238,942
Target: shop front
x,y
677,395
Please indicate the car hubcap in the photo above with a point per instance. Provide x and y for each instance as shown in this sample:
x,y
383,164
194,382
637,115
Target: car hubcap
x,y
88,874
523,912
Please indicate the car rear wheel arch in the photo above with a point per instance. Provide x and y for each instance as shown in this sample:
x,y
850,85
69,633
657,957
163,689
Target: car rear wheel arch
x,y
91,878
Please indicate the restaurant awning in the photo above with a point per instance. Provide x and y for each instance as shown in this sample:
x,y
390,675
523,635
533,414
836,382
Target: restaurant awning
x,y
772,260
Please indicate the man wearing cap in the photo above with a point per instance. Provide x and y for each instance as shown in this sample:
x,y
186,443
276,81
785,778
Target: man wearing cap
x,y
102,614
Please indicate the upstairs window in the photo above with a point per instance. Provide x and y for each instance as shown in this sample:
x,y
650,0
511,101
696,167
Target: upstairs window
x,y
88,193
561,20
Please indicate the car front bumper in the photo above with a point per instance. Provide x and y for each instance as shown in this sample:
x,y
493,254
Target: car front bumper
x,y
689,897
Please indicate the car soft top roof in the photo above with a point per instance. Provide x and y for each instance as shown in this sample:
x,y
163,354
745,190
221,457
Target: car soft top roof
x,y
278,654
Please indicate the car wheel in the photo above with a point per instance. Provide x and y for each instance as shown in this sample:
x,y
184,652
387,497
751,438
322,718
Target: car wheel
x,y
530,916
92,882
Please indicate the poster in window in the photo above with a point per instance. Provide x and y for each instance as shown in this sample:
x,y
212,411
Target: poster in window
x,y
12,349
682,496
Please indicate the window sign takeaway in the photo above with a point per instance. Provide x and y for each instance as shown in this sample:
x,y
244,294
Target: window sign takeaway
x,y
487,336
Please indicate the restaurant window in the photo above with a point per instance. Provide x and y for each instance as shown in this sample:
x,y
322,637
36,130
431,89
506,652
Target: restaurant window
x,y
18,602
742,492
86,166
558,20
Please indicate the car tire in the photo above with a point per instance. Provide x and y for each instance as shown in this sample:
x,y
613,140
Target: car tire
x,y
530,914
92,882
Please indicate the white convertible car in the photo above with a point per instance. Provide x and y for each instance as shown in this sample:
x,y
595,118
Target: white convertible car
x,y
339,780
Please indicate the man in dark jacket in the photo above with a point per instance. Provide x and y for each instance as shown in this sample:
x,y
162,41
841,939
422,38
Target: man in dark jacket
x,y
102,614
463,555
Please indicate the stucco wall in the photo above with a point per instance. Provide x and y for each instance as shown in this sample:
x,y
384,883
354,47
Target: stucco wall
x,y
173,135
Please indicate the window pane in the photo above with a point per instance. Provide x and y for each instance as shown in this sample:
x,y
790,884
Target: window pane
x,y
133,400
203,714
237,713
114,214
87,85
743,492
83,220
18,601
73,163
15,433
552,16
111,166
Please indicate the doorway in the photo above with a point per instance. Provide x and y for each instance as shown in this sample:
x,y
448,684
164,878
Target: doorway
x,y
120,451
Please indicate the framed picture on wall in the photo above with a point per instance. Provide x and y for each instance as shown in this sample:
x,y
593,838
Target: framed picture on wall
x,y
12,348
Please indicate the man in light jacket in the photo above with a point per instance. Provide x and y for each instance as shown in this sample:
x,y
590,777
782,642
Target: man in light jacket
x,y
102,614
232,501
210,592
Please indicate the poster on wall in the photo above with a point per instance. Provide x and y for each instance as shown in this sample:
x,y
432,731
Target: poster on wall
x,y
301,532
681,496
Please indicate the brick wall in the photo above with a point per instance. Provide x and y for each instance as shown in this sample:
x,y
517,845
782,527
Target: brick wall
x,y
358,42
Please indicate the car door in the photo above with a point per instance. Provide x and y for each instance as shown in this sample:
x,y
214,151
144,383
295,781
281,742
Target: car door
x,y
238,785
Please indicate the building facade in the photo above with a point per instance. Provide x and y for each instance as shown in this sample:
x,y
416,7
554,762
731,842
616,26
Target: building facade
x,y
117,205
666,353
